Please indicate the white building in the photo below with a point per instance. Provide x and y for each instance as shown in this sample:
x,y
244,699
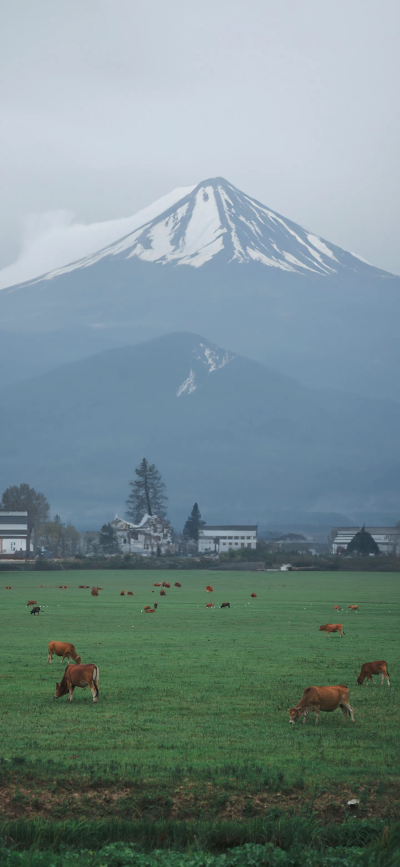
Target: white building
x,y
152,536
387,538
218,539
13,533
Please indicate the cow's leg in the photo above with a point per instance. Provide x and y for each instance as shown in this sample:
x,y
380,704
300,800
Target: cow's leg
x,y
387,678
350,710
49,658
344,710
305,715
316,708
373,681
95,693
71,691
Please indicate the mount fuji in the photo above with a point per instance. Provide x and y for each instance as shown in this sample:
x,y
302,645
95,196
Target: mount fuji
x,y
218,262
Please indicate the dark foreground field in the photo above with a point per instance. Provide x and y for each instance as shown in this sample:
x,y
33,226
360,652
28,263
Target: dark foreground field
x,y
190,737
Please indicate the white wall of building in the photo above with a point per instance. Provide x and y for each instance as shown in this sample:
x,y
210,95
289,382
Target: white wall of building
x,y
230,539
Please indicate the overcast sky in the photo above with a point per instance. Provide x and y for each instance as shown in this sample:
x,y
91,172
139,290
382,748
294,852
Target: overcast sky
x,y
107,105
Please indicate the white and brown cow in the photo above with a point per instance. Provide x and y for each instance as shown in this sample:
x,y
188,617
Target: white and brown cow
x,y
79,675
326,698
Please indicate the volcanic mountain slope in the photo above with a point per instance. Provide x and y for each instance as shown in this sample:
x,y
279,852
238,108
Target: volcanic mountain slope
x,y
242,440
219,262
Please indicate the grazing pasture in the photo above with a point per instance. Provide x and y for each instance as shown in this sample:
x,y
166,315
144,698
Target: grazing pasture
x,y
201,692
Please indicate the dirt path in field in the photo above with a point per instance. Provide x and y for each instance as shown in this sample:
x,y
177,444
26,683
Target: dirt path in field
x,y
190,801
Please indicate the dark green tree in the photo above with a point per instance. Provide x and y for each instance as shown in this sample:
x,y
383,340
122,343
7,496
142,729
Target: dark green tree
x,y
108,539
193,524
362,543
22,498
148,494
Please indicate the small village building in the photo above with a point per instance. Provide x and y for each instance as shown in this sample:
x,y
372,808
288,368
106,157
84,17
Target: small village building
x,y
387,538
13,534
215,538
152,536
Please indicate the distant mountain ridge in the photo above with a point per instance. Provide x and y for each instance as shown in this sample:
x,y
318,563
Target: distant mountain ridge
x,y
247,443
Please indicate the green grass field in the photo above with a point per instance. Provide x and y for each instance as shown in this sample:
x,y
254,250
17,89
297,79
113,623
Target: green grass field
x,y
192,714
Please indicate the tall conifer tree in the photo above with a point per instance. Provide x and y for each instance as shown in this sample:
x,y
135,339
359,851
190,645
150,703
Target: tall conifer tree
x,y
148,494
193,524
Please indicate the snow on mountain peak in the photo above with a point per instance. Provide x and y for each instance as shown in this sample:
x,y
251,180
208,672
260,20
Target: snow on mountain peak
x,y
205,360
215,220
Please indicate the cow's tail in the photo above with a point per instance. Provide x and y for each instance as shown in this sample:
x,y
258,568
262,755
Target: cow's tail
x,y
96,677
387,671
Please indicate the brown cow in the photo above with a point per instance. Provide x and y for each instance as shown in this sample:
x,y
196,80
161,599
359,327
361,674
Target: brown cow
x,y
177,584
210,605
326,698
225,605
63,649
209,589
8,587
166,584
162,593
81,587
94,592
129,593
353,607
370,668
123,593
79,675
149,610
253,595
31,602
337,608
158,584
332,627
146,607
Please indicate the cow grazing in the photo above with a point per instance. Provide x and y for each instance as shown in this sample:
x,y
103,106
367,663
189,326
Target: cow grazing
x,y
177,584
332,627
166,584
370,668
162,593
129,593
123,593
158,584
253,595
8,587
149,610
210,605
94,592
337,608
35,610
79,675
209,589
147,606
63,649
31,602
326,698
353,607
155,605
81,587
225,605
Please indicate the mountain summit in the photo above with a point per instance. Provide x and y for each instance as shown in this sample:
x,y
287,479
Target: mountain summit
x,y
215,220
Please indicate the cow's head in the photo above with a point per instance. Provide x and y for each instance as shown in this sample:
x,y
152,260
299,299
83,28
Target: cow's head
x,y
61,689
321,628
294,713
78,660
360,679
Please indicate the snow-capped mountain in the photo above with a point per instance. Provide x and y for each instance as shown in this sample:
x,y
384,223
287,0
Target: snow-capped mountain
x,y
204,361
212,259
217,221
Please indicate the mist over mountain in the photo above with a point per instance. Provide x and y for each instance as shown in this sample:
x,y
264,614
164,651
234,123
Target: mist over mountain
x,y
217,261
244,441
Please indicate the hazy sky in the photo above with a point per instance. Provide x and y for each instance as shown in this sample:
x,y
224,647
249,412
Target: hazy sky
x,y
107,105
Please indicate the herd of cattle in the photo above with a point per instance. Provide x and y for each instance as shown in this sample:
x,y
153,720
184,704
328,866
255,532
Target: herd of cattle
x,y
314,698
